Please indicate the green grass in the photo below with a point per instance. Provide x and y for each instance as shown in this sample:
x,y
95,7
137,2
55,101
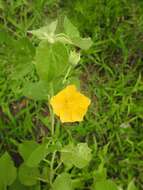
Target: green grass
x,y
111,74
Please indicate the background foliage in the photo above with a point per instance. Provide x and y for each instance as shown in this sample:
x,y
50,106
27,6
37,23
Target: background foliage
x,y
110,73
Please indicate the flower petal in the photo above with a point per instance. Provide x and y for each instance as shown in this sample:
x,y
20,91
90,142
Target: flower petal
x,y
70,105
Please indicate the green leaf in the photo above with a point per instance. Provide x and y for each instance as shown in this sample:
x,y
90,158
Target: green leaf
x,y
131,186
78,156
23,52
28,176
2,186
70,35
51,60
45,173
17,186
70,29
7,170
77,183
1,5
67,154
57,85
46,32
105,185
73,37
82,155
101,173
37,155
83,43
62,182
37,187
26,148
63,38
32,91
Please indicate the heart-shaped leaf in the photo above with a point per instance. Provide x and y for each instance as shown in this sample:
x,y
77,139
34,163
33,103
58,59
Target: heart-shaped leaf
x,y
63,182
7,170
51,60
78,156
28,176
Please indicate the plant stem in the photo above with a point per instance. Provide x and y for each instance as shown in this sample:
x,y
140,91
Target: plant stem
x,y
52,123
51,167
67,74
51,113
58,166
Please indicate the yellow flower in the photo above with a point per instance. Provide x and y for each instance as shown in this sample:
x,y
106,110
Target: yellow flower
x,y
69,104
